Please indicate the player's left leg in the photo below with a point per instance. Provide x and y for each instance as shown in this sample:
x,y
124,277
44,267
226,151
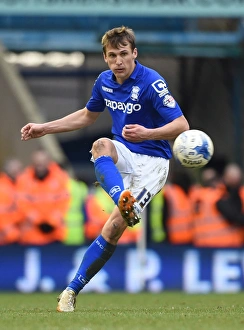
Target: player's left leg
x,y
97,254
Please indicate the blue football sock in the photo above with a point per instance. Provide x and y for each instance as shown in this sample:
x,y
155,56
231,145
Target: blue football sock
x,y
109,177
98,253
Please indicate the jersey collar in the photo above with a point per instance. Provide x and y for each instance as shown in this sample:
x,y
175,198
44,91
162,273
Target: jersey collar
x,y
136,70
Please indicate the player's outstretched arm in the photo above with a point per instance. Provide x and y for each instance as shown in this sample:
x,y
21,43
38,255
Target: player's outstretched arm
x,y
76,120
31,131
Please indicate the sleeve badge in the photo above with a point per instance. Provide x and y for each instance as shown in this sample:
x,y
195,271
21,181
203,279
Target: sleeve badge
x,y
169,101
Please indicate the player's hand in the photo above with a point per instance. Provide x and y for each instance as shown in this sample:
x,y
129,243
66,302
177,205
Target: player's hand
x,y
135,133
31,131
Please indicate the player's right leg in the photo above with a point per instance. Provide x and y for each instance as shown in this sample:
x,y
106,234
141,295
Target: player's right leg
x,y
112,160
129,208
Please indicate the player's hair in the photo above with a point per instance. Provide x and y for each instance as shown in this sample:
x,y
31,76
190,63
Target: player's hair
x,y
119,36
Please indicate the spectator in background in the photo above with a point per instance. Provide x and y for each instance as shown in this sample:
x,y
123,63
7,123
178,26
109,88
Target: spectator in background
x,y
231,204
10,217
43,199
218,218
171,211
210,177
99,207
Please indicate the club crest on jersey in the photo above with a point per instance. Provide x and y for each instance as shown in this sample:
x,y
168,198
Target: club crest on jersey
x,y
169,101
135,93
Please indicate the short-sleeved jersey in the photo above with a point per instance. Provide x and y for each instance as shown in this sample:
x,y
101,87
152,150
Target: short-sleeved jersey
x,y
142,99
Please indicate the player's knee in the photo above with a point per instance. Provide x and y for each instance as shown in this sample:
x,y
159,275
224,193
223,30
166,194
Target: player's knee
x,y
100,147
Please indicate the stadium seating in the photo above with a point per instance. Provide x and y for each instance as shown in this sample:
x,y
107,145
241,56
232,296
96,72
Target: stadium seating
x,y
168,35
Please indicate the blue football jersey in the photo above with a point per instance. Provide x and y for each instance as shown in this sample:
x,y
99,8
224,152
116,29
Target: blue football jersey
x,y
143,99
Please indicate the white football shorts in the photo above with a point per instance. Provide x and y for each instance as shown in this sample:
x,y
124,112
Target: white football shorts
x,y
143,175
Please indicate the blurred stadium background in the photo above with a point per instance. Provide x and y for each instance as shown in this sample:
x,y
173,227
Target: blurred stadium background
x,y
49,58
51,54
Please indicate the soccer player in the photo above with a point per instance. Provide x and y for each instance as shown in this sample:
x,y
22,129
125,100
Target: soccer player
x,y
132,167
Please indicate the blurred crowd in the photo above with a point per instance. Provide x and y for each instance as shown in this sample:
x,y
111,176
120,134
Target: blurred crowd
x,y
42,204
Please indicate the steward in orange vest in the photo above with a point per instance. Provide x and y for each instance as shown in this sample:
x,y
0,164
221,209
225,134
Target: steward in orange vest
x,y
43,198
219,214
98,208
180,214
175,214
10,217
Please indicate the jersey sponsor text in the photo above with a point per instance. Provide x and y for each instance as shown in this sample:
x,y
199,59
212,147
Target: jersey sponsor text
x,y
125,107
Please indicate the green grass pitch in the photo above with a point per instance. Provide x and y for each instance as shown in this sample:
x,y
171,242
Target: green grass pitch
x,y
122,311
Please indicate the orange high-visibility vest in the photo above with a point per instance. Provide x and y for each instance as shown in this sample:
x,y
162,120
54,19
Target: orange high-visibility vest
x,y
43,201
180,215
211,229
10,216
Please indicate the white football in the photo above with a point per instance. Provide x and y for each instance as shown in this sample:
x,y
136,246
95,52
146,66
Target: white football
x,y
193,148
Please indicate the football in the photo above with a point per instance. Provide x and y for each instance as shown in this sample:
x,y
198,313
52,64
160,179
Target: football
x,y
193,148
